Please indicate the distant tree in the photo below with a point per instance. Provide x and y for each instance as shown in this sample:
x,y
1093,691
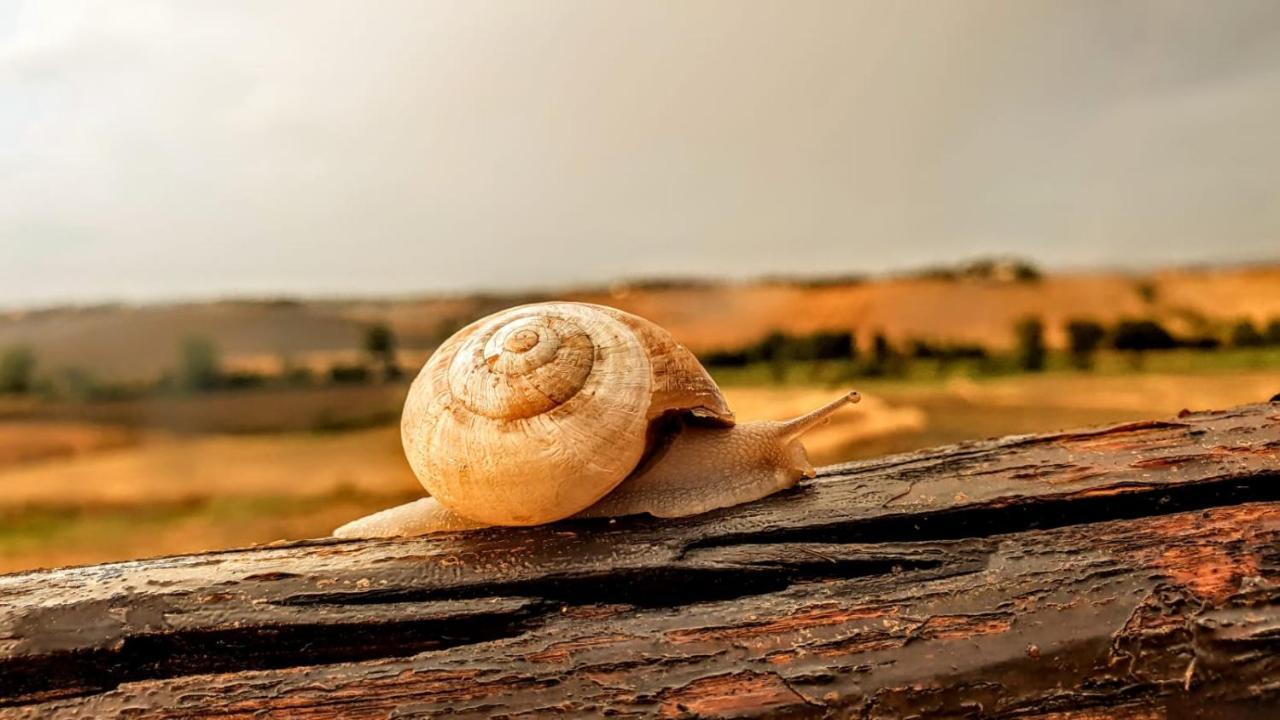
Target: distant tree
x,y
773,347
1147,290
776,349
923,350
1272,334
779,348
1026,272
349,374
199,366
967,351
1141,335
885,359
380,343
833,345
1084,337
1200,342
1030,344
17,370
726,358
1245,334
293,374
242,380
980,269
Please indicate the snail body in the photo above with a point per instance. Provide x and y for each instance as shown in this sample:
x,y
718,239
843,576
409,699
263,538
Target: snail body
x,y
553,410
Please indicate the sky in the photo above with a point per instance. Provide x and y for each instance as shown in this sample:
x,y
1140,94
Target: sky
x,y
182,150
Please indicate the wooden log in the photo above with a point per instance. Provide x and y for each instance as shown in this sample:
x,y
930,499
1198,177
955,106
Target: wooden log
x,y
1129,571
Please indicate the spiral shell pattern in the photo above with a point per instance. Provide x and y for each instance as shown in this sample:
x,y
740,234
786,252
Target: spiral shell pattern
x,y
534,413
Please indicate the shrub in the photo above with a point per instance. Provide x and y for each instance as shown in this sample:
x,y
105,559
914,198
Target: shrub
x,y
726,358
885,360
1272,333
779,348
349,374
242,379
775,346
1146,290
833,345
1084,337
1031,349
1244,334
17,370
1203,342
380,343
1141,335
199,368
923,350
965,351
1026,272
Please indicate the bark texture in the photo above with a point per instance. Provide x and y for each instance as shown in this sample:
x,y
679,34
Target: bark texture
x,y
1130,571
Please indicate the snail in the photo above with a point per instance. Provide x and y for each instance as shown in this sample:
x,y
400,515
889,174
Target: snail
x,y
556,410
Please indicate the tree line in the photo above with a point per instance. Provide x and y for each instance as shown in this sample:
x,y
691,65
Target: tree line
x,y
1085,339
199,369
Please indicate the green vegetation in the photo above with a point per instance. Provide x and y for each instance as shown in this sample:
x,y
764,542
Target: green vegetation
x,y
1244,334
1084,337
199,370
380,343
77,384
17,370
1129,345
1147,290
986,270
1031,347
1141,335
781,347
1272,335
199,366
294,375
885,358
349,374
825,356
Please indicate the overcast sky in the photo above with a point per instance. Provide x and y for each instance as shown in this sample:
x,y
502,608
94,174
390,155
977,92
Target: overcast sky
x,y
198,149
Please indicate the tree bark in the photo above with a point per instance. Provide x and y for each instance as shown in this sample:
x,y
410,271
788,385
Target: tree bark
x,y
1130,571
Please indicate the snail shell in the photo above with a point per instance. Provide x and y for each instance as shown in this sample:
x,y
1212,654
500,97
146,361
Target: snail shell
x,y
535,413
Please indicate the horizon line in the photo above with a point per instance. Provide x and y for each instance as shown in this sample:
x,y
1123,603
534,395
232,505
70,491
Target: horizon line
x,y
834,278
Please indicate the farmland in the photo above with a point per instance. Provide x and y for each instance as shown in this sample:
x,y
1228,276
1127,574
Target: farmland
x,y
74,491
126,343
139,431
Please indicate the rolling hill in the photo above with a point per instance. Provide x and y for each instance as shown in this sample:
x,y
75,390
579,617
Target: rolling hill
x,y
140,342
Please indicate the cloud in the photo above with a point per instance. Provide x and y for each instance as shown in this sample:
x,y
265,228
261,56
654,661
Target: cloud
x,y
162,149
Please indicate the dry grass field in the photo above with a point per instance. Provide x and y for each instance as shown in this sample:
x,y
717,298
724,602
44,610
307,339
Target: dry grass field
x,y
78,492
140,343
166,472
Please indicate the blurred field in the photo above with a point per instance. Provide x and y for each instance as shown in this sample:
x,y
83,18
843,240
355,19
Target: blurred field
x,y
120,343
160,468
79,491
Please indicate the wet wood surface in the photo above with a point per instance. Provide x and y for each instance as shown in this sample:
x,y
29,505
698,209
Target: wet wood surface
x,y
1130,571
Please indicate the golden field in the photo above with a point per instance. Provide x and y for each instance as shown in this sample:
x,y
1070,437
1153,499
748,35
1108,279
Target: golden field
x,y
154,471
140,343
76,492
